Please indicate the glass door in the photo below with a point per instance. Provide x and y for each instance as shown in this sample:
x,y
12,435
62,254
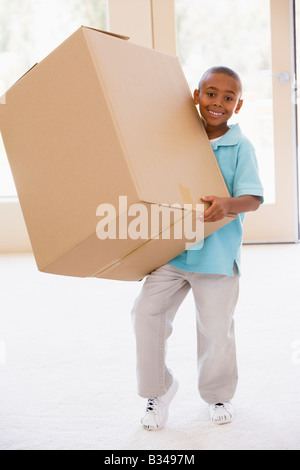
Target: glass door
x,y
253,38
297,88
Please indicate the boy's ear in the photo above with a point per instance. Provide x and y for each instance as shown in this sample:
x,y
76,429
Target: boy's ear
x,y
196,97
238,107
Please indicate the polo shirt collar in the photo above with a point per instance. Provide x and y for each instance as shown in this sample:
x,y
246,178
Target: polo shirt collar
x,y
230,138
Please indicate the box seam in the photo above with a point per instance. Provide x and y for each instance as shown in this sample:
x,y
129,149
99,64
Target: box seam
x,y
113,117
88,235
44,267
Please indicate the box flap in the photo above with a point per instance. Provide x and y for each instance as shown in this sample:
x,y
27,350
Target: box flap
x,y
120,36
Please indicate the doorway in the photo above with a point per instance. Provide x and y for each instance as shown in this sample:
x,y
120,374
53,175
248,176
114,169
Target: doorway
x,y
257,40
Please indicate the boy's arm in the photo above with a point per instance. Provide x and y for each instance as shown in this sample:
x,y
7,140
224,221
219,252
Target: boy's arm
x,y
221,206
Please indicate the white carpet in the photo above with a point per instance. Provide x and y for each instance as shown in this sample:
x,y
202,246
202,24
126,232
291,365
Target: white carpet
x,y
68,379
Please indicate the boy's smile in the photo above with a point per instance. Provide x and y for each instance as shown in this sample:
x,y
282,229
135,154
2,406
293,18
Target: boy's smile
x,y
218,99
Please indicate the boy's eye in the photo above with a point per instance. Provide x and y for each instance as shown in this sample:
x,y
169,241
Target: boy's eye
x,y
211,95
228,98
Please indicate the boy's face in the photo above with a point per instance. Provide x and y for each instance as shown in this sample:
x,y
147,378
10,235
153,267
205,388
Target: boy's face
x,y
218,98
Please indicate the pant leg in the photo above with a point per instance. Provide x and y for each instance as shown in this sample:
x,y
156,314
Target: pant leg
x,y
153,313
215,299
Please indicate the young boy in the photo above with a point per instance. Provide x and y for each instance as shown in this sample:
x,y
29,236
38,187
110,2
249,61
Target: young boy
x,y
211,272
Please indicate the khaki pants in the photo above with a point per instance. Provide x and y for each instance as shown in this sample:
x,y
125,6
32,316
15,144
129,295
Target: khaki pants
x,y
153,313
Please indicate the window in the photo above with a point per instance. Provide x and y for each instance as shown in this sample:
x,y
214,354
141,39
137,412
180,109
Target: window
x,y
29,30
297,92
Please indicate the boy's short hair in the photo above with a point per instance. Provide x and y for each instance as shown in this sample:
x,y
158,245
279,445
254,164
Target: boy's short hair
x,y
221,69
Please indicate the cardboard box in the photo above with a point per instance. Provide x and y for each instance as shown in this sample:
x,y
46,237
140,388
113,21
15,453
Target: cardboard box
x,y
97,119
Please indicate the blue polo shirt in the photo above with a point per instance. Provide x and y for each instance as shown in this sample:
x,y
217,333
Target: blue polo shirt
x,y
237,160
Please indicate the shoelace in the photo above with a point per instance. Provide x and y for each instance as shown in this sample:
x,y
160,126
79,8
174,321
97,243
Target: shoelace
x,y
152,404
222,405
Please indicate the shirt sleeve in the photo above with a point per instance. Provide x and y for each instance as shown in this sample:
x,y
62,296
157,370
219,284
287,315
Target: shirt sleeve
x,y
247,180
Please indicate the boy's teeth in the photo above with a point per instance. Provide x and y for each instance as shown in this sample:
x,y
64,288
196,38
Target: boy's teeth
x,y
215,114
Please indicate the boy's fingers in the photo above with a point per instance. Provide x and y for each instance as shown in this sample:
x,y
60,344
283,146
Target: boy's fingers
x,y
210,217
210,213
212,206
208,198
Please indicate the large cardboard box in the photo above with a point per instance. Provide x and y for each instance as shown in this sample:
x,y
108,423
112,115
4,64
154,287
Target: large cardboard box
x,y
100,118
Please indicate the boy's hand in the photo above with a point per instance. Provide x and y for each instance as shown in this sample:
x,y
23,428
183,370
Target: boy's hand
x,y
218,210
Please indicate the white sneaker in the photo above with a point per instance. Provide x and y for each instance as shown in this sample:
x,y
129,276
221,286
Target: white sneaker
x,y
157,410
221,413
